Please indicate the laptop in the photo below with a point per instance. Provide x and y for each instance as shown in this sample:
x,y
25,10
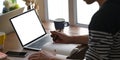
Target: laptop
x,y
30,31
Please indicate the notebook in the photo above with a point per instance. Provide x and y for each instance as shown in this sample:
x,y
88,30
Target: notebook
x,y
30,30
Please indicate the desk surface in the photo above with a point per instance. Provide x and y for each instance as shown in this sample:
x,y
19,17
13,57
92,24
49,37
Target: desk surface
x,y
12,42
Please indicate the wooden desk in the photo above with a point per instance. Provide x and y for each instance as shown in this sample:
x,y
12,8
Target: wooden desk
x,y
12,42
70,30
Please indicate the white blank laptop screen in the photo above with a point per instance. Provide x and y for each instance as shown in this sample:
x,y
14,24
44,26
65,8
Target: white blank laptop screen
x,y
28,27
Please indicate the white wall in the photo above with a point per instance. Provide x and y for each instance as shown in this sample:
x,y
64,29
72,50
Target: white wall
x,y
5,25
41,10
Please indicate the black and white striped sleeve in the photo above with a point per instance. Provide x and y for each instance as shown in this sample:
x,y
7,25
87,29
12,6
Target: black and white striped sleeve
x,y
99,45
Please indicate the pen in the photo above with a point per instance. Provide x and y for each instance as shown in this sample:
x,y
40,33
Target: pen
x,y
56,36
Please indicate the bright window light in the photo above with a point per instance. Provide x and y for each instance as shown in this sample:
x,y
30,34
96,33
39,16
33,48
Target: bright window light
x,y
1,6
85,11
58,9
21,3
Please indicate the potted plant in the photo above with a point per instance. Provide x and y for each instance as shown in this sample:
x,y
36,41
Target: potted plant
x,y
10,5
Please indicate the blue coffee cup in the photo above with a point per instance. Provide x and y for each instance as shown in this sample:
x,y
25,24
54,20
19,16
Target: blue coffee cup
x,y
60,23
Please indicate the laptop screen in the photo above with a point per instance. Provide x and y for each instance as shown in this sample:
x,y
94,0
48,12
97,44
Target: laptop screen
x,y
28,26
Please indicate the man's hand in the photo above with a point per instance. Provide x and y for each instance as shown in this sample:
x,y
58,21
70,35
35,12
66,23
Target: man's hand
x,y
42,55
59,37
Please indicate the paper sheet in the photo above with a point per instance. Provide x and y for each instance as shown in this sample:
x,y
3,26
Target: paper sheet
x,y
64,49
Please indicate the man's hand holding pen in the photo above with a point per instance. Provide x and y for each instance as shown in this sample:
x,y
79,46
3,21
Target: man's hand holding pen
x,y
60,37
55,38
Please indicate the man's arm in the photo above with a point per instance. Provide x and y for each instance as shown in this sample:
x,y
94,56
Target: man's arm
x,y
79,39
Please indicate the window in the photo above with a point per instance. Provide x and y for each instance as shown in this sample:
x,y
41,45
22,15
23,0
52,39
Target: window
x,y
85,11
58,9
1,6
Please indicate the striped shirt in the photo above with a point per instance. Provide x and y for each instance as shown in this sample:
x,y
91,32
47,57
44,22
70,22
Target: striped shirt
x,y
104,33
103,46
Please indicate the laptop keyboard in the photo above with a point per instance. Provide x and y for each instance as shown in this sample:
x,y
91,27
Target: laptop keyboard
x,y
41,42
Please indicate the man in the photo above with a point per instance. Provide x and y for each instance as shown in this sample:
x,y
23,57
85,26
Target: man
x,y
104,35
